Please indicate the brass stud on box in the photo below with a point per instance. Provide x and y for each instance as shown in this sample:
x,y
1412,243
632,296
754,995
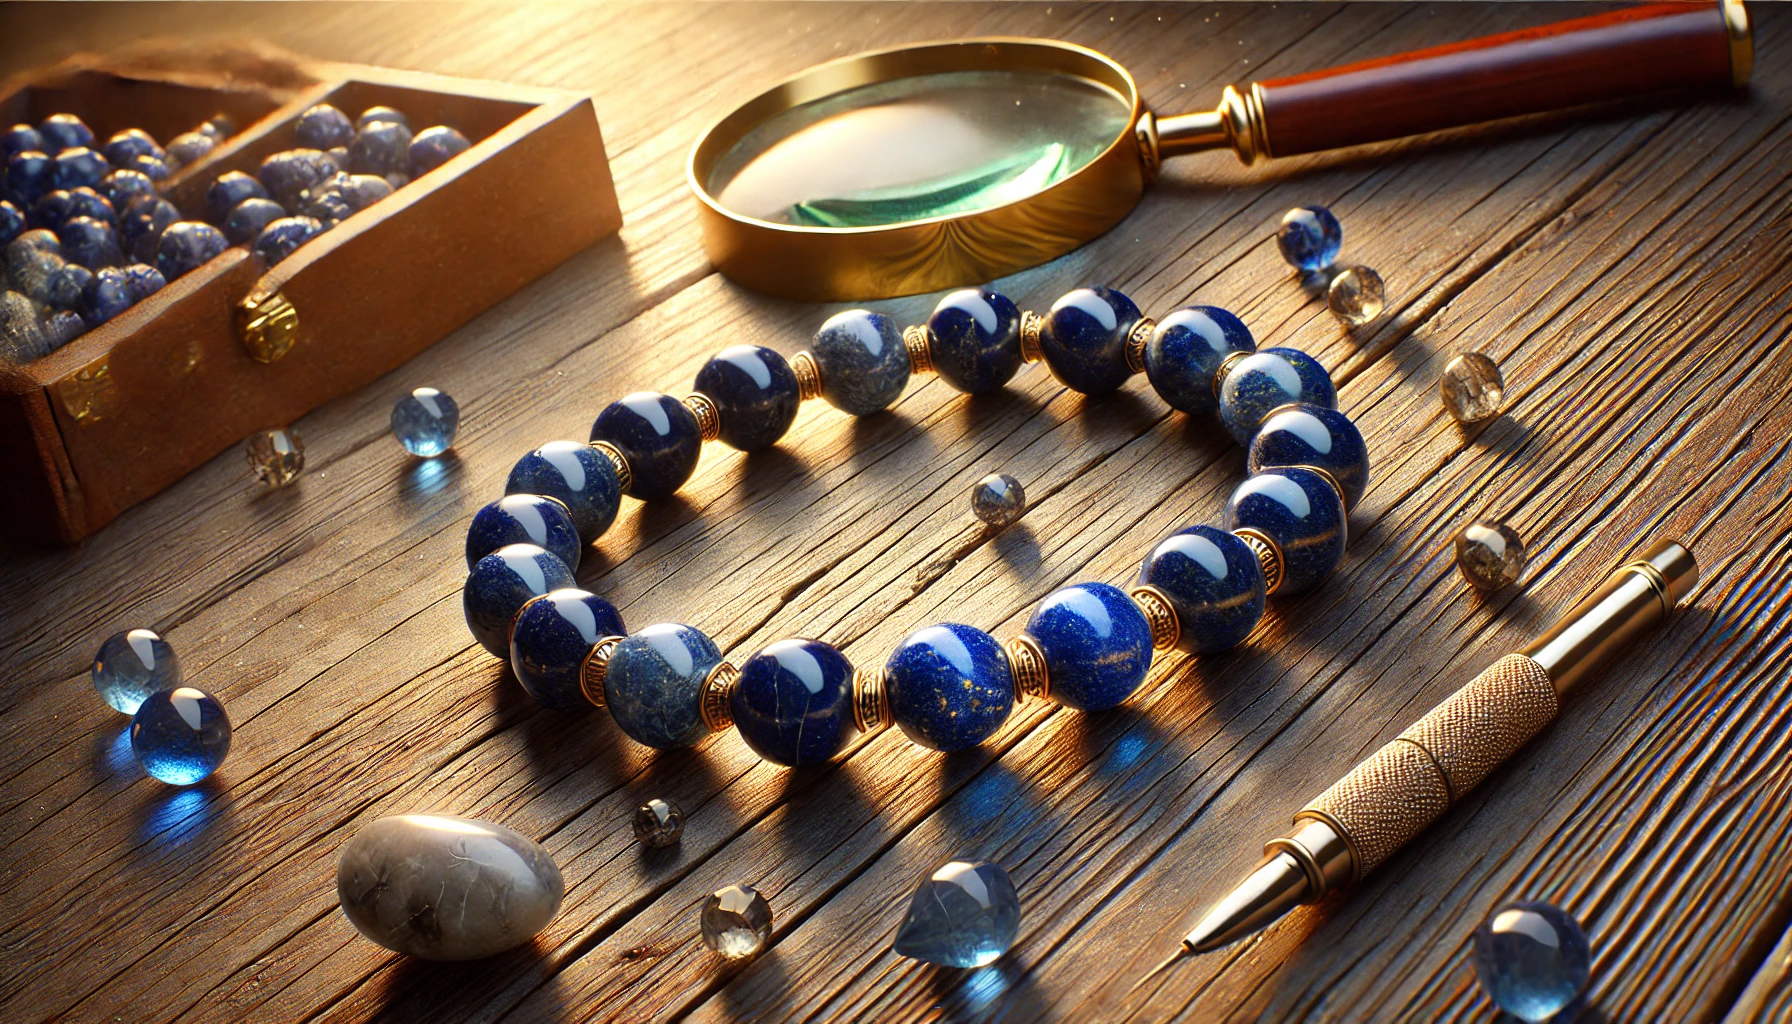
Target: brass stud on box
x,y
268,326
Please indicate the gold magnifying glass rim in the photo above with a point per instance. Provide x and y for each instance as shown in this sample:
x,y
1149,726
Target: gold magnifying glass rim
x,y
832,264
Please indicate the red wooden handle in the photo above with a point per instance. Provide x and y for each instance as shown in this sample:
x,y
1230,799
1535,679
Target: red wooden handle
x,y
1587,60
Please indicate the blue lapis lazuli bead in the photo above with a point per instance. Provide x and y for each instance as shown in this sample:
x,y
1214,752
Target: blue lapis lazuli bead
x,y
1301,514
64,131
80,167
180,736
949,686
755,394
576,475
658,436
976,339
863,362
553,637
132,665
653,684
1096,642
1259,384
1212,581
1185,353
230,189
425,421
524,519
1310,238
501,583
1532,960
187,245
793,702
1084,339
12,222
1315,437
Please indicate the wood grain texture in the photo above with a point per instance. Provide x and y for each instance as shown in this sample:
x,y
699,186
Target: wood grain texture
x,y
1631,272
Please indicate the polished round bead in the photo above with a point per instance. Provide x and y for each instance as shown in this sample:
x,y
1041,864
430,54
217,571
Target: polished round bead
x,y
145,280
180,736
658,436
793,702
64,131
434,147
1472,388
948,686
124,185
382,147
425,421
80,167
287,174
653,684
1489,554
1096,642
190,147
187,245
1315,437
659,823
578,476
1310,237
976,339
524,519
19,139
736,922
12,222
323,127
29,175
1261,383
141,224
965,915
361,190
1356,296
553,637
54,209
69,285
1212,581
94,244
246,220
1084,339
1186,351
106,296
231,188
283,237
501,583
998,499
276,457
375,114
127,145
863,362
155,168
1532,960
755,394
132,665
1301,514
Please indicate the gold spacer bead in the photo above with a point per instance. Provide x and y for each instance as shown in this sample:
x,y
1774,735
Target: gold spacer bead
x,y
870,705
709,418
1031,324
919,340
597,663
716,688
517,615
1219,375
1268,556
1166,628
1136,341
1026,664
619,460
808,375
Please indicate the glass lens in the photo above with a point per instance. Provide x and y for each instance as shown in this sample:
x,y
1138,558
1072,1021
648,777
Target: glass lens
x,y
919,147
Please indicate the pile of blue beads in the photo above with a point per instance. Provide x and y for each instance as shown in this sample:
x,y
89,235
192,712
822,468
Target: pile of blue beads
x,y
180,734
948,686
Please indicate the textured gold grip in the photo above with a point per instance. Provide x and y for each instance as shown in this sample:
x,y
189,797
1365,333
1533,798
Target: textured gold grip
x,y
1405,785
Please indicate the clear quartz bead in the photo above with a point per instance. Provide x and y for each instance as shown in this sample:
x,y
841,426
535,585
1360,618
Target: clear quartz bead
x,y
1472,388
659,823
276,456
737,922
998,499
966,914
132,665
1356,295
1489,554
1533,961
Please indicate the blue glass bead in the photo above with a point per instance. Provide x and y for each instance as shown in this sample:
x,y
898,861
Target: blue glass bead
x,y
380,148
657,435
124,185
1096,642
283,237
145,281
323,127
20,138
1310,237
1259,384
68,285
425,421
552,638
793,702
181,735
1301,514
132,665
501,583
949,686
29,175
287,174
106,296
64,131
976,339
12,222
1532,960
93,244
141,225
80,166
189,147
524,519
434,147
755,394
1214,583
576,475
52,209
1186,351
863,363
231,188
966,914
125,146
187,245
1308,435
250,217
373,114
653,684
1084,337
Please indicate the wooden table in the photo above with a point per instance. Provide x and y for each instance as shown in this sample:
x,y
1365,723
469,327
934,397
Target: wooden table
x,y
1631,271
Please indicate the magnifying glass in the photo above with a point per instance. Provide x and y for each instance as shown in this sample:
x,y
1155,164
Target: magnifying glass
x,y
945,164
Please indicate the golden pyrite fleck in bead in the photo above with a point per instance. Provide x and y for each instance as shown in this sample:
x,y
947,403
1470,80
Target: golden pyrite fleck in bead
x,y
1268,556
624,474
709,420
1026,664
716,688
1472,388
1136,341
1160,614
808,375
919,341
1031,324
870,708
597,661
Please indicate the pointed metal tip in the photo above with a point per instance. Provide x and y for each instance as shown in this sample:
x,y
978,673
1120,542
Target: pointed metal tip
x,y
1175,958
1276,887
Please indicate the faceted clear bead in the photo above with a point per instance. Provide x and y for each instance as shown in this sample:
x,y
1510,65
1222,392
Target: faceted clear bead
x,y
1532,960
998,499
181,735
737,922
132,665
277,456
659,823
425,422
1490,554
966,914
1356,295
1472,388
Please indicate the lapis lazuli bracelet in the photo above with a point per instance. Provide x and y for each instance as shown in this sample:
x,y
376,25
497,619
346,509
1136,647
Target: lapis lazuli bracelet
x,y
948,686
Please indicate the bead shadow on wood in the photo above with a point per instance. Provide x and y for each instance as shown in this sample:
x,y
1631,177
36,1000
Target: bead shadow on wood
x,y
422,479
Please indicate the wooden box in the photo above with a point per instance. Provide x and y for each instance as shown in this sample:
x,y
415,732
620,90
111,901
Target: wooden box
x,y
234,347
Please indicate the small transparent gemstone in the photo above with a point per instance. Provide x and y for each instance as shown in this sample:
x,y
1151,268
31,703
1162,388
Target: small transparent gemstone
x,y
1472,388
659,823
181,735
737,922
998,499
425,422
1356,295
966,914
1532,960
1490,554
276,456
132,665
